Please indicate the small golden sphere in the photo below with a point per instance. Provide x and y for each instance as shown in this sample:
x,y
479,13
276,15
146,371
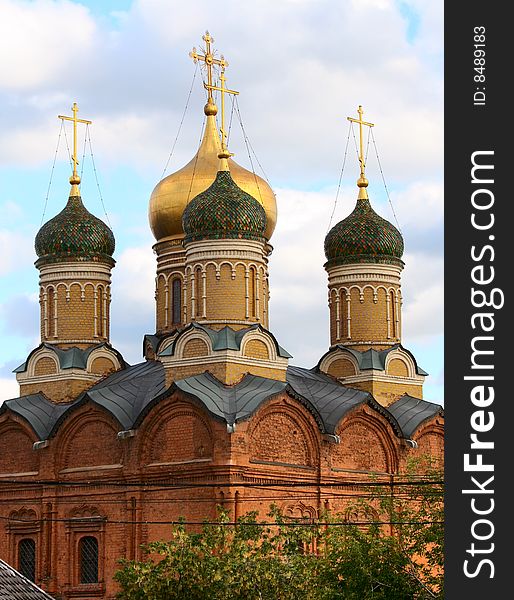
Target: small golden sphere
x,y
362,182
74,180
210,109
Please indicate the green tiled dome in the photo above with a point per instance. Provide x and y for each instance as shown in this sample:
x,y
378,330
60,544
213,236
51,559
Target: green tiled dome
x,y
224,211
362,237
74,234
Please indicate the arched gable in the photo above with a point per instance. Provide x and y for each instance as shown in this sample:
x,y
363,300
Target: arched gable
x,y
282,432
367,443
86,440
175,431
17,455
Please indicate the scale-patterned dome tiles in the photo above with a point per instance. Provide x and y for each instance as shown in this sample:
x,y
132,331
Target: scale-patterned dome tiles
x,y
224,211
364,236
74,234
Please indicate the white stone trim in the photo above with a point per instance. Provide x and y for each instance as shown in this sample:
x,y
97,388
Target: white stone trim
x,y
192,334
225,356
365,272
263,337
399,354
102,353
63,375
338,354
381,376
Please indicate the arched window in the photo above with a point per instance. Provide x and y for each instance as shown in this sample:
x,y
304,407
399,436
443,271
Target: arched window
x,y
176,316
394,325
88,556
252,296
199,292
51,304
27,558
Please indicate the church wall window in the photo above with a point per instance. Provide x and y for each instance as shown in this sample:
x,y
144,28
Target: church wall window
x,y
27,558
176,303
88,557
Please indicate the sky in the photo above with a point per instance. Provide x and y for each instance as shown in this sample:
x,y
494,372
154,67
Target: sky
x,y
301,68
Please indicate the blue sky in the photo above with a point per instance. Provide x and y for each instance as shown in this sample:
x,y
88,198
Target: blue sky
x,y
301,67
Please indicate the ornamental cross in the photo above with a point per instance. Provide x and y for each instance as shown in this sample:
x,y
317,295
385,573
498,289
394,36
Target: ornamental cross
x,y
361,123
208,59
223,91
75,179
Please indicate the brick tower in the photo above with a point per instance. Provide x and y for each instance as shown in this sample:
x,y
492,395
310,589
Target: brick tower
x,y
74,251
364,266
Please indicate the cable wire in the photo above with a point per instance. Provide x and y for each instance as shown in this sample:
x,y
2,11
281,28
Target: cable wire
x,y
181,122
52,173
340,178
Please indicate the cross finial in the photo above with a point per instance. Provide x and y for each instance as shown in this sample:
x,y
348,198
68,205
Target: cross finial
x,y
224,150
209,60
74,179
362,181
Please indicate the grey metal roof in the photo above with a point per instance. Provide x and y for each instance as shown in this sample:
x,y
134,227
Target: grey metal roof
x,y
330,399
224,339
374,359
130,393
41,413
14,586
69,358
232,403
411,412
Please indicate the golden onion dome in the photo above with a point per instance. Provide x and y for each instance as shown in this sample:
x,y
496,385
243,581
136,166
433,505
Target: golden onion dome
x,y
173,193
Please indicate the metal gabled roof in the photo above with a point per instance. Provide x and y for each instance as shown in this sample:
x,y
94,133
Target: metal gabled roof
x,y
231,403
224,339
39,411
70,358
130,393
127,393
330,399
373,359
14,586
411,412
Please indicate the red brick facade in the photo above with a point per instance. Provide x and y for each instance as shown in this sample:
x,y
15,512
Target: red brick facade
x,y
118,490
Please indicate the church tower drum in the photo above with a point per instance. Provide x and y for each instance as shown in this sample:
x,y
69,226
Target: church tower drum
x,y
75,258
364,264
75,251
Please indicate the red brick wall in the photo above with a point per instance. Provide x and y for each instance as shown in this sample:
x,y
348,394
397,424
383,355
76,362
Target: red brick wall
x,y
178,441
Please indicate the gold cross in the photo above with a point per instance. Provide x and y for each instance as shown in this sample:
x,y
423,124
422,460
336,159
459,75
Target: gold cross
x,y
224,151
208,59
363,182
74,179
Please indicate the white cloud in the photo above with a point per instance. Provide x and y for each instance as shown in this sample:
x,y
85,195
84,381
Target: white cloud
x,y
16,251
45,41
135,81
9,388
133,304
423,291
421,206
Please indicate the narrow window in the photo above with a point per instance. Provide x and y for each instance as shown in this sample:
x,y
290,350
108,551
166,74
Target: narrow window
x,y
252,293
393,315
177,301
100,300
50,311
198,291
27,558
88,553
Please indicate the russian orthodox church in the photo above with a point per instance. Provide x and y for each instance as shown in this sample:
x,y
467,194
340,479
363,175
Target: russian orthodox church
x,y
98,456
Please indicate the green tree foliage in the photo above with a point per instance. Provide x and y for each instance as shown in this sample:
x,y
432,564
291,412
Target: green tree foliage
x,y
280,559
